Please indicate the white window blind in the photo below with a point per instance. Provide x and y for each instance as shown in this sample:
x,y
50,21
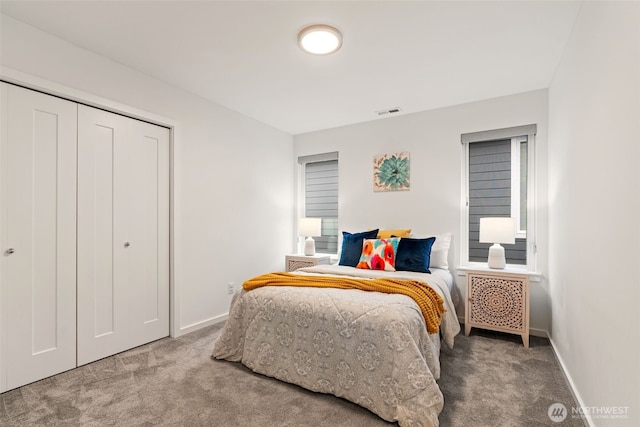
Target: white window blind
x,y
321,197
490,195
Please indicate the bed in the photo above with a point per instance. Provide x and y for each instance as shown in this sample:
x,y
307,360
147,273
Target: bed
x,y
370,348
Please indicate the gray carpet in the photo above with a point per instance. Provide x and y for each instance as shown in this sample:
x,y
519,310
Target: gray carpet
x,y
487,380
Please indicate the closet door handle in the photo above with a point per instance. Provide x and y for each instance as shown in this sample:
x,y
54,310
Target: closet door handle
x,y
10,251
127,244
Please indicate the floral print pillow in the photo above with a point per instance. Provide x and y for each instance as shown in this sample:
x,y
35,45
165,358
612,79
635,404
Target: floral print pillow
x,y
379,254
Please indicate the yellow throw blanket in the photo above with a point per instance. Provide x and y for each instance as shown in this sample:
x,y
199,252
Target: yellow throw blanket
x,y
431,304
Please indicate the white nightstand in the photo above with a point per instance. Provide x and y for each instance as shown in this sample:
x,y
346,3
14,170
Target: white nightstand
x,y
294,262
499,301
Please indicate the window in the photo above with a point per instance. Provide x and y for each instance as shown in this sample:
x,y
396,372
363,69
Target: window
x,y
319,177
498,182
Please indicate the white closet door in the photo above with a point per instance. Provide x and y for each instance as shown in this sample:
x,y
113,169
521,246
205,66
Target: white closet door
x,y
123,233
37,235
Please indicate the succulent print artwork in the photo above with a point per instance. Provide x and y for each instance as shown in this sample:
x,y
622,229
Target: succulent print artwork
x,y
391,172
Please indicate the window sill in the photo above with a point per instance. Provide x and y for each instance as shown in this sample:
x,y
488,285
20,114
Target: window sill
x,y
534,276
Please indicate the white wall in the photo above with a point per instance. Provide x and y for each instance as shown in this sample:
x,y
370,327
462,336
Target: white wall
x,y
433,203
594,207
232,175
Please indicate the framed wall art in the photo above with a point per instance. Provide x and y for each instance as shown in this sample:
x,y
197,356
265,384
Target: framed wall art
x,y
391,172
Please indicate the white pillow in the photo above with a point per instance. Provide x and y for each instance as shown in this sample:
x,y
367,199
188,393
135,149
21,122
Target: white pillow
x,y
440,251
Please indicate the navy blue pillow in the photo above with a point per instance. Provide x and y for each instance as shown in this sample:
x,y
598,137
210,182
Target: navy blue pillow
x,y
352,246
414,254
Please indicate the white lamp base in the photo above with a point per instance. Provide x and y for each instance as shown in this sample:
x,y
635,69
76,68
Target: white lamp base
x,y
496,257
309,246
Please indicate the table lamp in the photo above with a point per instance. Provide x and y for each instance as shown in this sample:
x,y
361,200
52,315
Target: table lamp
x,y
497,230
309,228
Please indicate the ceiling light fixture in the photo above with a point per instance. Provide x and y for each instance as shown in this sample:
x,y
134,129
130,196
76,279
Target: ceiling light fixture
x,y
320,39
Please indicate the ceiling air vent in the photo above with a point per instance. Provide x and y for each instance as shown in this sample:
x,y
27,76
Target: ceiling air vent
x,y
389,112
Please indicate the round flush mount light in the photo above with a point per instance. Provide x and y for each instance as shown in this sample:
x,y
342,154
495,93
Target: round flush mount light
x,y
320,39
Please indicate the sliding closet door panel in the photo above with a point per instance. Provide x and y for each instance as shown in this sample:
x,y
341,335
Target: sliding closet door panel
x,y
102,242
149,187
37,234
43,153
95,218
122,270
146,219
143,202
146,152
99,289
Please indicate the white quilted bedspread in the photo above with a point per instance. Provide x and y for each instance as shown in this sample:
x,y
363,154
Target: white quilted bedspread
x,y
367,347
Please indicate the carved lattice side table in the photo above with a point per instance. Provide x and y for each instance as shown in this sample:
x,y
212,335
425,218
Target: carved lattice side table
x,y
498,301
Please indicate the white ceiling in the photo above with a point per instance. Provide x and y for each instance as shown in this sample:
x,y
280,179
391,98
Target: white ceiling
x,y
416,55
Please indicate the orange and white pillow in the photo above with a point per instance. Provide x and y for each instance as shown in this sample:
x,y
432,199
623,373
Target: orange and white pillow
x,y
379,254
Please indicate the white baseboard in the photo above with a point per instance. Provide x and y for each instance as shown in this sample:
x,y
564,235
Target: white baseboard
x,y
538,333
203,324
572,387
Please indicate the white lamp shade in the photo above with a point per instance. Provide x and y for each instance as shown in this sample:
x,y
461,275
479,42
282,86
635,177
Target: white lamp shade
x,y
497,230
310,227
